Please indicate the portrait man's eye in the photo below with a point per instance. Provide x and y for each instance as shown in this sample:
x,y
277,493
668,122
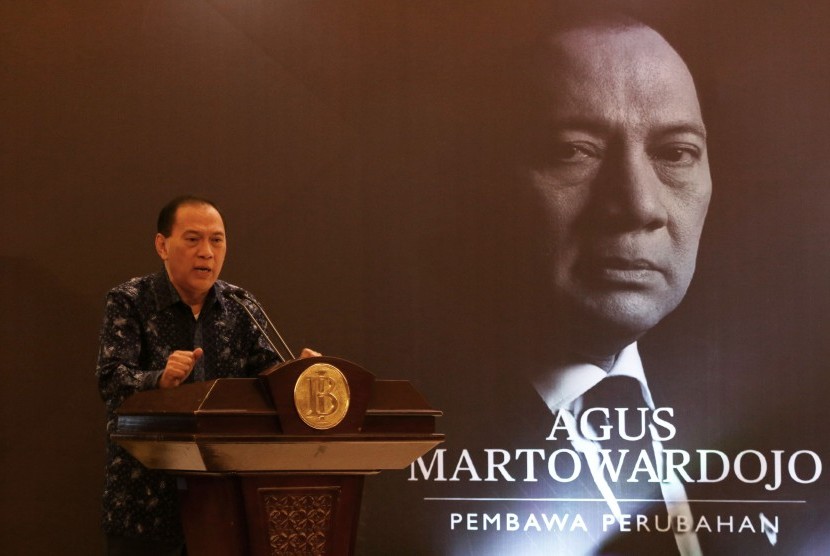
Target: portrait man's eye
x,y
575,152
678,155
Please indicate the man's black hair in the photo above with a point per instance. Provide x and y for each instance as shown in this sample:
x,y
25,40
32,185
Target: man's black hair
x,y
167,216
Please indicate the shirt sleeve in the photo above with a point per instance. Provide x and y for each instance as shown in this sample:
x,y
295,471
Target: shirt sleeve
x,y
119,369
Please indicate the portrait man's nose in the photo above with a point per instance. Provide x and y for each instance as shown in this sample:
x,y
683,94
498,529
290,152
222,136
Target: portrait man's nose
x,y
628,196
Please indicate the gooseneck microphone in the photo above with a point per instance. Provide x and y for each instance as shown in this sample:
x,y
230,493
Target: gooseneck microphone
x,y
239,295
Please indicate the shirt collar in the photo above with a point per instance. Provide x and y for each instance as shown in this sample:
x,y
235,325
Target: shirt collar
x,y
565,385
166,294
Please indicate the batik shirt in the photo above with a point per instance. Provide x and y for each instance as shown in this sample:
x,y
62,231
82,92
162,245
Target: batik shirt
x,y
146,321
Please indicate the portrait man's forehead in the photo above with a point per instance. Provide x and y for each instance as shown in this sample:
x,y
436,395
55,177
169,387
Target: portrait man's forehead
x,y
502,95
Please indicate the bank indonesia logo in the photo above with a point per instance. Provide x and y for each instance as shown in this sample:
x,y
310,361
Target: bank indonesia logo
x,y
321,396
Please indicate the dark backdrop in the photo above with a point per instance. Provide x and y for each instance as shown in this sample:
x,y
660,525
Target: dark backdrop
x,y
327,133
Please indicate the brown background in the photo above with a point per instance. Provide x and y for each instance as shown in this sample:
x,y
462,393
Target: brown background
x,y
327,132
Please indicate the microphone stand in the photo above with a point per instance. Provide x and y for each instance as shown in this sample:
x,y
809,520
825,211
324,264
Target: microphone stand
x,y
238,295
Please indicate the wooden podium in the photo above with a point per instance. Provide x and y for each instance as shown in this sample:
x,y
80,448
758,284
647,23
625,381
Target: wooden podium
x,y
275,464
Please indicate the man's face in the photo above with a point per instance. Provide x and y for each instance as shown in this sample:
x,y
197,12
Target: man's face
x,y
623,175
195,251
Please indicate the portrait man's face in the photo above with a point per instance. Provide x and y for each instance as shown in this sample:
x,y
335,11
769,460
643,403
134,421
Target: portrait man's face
x,y
623,175
195,251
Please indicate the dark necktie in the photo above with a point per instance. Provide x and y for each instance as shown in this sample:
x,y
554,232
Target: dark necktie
x,y
615,408
619,415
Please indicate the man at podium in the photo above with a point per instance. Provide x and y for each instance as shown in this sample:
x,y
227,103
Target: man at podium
x,y
178,325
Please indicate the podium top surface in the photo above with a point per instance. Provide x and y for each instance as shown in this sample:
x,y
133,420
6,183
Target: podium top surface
x,y
194,407
235,425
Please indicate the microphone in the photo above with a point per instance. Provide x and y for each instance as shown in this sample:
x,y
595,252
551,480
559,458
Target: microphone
x,y
238,294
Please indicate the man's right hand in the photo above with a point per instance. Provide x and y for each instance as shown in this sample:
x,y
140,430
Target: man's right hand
x,y
178,368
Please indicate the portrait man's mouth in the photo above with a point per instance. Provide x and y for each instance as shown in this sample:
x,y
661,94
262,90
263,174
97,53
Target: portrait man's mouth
x,y
621,271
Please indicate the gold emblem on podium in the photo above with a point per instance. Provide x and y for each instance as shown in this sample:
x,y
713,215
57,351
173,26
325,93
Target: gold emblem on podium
x,y
321,396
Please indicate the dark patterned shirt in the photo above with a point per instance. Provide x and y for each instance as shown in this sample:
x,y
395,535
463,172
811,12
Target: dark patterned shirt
x,y
146,321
